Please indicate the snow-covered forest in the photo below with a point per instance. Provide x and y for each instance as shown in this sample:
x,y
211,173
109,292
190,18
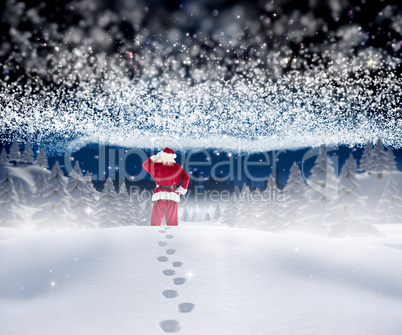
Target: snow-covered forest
x,y
323,204
292,74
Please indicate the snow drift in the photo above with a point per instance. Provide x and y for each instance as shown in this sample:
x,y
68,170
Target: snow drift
x,y
197,280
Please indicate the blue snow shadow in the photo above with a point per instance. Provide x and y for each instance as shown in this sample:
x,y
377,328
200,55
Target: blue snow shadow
x,y
28,271
339,275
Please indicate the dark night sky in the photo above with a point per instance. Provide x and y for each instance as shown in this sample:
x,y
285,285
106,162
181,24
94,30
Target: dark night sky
x,y
31,30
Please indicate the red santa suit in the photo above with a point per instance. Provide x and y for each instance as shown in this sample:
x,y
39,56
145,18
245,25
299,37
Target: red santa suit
x,y
167,175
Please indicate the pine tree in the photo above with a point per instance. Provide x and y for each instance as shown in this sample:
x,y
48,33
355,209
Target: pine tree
x,y
41,187
145,217
380,159
193,216
271,196
82,203
271,192
366,161
323,186
126,206
389,209
94,194
41,159
197,214
55,213
109,208
211,210
207,217
293,193
231,212
391,158
185,216
346,215
27,156
136,209
88,177
258,202
9,203
3,157
190,214
20,191
247,211
217,212
15,154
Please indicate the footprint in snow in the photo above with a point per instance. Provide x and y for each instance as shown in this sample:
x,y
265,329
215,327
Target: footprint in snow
x,y
162,259
169,236
162,243
177,264
179,281
170,326
162,231
169,272
186,307
170,294
170,251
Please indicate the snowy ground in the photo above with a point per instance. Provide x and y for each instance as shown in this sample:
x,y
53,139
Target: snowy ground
x,y
198,280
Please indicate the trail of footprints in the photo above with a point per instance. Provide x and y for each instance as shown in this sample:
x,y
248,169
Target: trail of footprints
x,y
172,326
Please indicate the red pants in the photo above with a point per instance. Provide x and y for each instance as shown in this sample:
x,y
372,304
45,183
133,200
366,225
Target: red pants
x,y
161,208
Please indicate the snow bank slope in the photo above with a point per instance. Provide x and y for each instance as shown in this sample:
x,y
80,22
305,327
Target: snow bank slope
x,y
28,174
197,280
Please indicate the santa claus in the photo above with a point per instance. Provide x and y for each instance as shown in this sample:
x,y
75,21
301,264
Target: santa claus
x,y
167,175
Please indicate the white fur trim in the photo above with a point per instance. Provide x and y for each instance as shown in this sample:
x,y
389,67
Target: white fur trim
x,y
166,196
163,157
182,190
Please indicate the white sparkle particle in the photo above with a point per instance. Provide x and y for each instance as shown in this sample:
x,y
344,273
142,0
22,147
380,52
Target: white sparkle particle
x,y
371,62
313,91
189,274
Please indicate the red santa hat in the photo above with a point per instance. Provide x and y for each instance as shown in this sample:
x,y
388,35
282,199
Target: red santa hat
x,y
169,151
166,156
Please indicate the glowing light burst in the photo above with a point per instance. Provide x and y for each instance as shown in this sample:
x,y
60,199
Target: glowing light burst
x,y
329,106
88,210
190,274
371,62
